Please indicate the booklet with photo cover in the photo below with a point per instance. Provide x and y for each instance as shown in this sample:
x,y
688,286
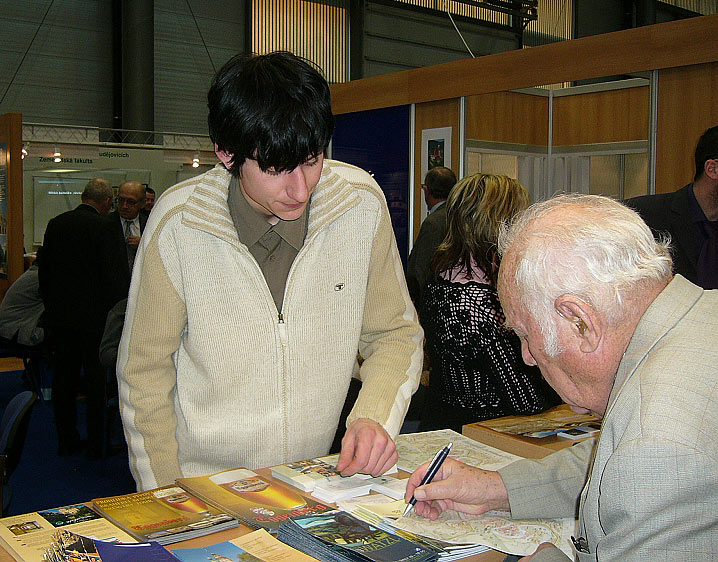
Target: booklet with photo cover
x,y
166,515
26,537
307,474
254,500
339,536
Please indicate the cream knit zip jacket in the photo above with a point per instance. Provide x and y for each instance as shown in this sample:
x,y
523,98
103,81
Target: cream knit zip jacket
x,y
212,377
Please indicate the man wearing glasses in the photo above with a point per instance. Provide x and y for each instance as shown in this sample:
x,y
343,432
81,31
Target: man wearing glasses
x,y
130,200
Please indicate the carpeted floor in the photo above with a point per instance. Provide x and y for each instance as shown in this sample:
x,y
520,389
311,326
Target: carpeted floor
x,y
43,479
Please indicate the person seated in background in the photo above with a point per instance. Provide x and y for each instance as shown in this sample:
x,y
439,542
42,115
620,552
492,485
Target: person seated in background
x,y
592,297
22,309
476,367
112,334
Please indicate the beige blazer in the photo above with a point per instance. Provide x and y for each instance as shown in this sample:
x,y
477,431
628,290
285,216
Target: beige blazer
x,y
653,487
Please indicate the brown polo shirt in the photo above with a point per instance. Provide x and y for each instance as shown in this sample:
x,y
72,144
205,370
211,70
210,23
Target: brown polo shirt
x,y
273,246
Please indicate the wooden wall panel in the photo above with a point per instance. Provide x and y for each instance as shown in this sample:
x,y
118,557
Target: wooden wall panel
x,y
511,117
11,135
687,106
430,116
666,45
596,117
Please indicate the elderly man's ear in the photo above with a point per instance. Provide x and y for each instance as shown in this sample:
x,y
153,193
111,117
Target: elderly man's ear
x,y
584,322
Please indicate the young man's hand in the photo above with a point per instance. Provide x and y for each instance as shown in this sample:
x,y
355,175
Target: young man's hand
x,y
366,448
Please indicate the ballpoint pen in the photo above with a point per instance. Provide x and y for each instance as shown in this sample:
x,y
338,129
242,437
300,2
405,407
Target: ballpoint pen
x,y
434,467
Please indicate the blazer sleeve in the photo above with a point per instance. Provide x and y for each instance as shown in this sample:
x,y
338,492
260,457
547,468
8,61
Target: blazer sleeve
x,y
548,487
551,554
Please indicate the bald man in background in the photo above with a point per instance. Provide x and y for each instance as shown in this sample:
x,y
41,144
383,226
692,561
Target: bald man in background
x,y
130,200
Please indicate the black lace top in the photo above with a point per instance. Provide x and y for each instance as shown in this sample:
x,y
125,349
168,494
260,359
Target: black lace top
x,y
476,368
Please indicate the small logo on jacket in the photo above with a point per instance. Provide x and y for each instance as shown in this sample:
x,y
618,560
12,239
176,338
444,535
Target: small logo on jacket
x,y
338,286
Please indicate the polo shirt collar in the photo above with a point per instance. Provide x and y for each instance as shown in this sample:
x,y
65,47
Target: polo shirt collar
x,y
435,207
255,225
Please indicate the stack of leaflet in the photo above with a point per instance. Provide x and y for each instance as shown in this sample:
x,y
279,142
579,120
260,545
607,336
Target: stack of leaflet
x,y
254,500
337,536
307,474
445,550
165,515
341,488
393,487
337,489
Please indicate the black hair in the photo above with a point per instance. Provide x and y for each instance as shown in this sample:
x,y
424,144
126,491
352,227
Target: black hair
x,y
707,149
148,189
273,108
440,180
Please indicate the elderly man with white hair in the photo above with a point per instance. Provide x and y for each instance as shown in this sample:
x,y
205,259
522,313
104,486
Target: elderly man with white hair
x,y
592,297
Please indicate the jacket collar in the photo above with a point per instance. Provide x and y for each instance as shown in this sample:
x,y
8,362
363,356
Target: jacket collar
x,y
671,305
206,208
86,207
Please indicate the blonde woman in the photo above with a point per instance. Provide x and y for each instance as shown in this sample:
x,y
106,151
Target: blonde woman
x,y
476,368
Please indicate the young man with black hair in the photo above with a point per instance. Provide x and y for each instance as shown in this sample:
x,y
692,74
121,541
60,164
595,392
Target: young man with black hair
x,y
150,197
256,284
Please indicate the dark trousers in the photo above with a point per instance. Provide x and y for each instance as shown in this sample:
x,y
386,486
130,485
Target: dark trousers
x,y
76,353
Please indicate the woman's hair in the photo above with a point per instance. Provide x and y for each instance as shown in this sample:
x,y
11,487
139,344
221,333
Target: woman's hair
x,y
475,209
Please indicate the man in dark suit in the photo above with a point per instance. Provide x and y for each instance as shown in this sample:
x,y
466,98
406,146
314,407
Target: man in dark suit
x,y
437,185
82,275
150,196
130,201
690,216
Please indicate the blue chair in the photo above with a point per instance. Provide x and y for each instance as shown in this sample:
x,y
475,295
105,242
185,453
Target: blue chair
x,y
31,359
13,430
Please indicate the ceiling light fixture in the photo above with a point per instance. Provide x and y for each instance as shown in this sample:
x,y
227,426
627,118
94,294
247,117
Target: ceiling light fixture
x,y
57,156
195,160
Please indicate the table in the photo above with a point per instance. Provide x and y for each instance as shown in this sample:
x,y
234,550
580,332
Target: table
x,y
222,536
529,447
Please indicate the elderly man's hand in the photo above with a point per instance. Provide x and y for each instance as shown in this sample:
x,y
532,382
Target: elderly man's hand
x,y
133,241
366,448
457,486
